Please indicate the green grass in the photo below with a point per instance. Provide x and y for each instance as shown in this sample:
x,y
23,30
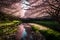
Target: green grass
x,y
48,23
49,34
9,23
8,28
51,24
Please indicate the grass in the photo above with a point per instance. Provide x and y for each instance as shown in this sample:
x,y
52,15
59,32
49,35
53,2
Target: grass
x,y
49,34
9,23
8,28
51,24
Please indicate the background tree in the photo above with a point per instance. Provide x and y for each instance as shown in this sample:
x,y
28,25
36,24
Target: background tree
x,y
54,10
42,8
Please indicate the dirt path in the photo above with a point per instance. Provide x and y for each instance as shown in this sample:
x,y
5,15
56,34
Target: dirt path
x,y
40,27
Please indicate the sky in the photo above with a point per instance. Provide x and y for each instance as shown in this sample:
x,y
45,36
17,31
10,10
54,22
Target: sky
x,y
24,7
